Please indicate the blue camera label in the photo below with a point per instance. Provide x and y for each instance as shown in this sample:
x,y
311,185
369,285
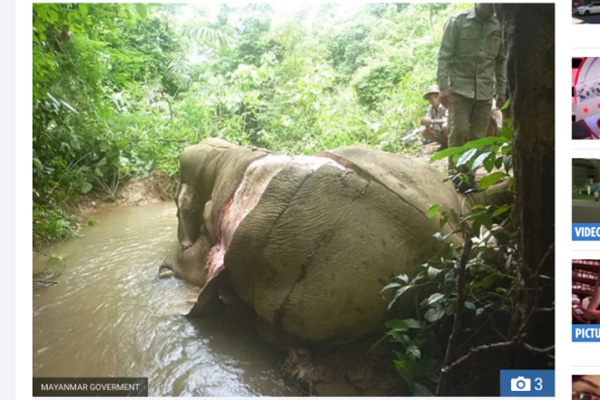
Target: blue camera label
x,y
585,231
585,333
527,383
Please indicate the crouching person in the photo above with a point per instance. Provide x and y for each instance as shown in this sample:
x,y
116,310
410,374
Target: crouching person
x,y
436,121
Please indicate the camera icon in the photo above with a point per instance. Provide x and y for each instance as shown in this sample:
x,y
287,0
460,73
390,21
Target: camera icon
x,y
520,384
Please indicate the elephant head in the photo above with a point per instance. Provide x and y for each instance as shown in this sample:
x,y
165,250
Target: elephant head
x,y
209,174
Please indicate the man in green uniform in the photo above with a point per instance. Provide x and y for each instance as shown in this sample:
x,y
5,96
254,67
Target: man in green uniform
x,y
471,67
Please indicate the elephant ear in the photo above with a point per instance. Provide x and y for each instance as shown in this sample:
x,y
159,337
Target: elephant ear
x,y
229,170
208,300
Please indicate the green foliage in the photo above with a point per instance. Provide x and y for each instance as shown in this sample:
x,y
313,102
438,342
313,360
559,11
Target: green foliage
x,y
349,48
468,280
494,154
120,89
96,69
54,224
377,83
415,361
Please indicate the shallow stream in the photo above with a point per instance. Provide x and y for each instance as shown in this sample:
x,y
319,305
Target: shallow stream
x,y
99,310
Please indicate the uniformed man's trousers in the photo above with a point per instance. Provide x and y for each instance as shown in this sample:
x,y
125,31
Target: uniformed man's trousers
x,y
468,119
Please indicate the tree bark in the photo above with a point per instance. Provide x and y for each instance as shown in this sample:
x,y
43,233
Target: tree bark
x,y
529,31
529,341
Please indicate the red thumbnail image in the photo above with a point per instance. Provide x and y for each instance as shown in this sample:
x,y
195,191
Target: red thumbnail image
x,y
585,93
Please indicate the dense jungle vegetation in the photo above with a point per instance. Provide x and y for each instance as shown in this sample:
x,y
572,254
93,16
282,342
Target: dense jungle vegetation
x,y
120,89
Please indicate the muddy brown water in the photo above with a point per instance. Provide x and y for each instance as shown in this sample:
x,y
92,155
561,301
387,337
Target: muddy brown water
x,y
109,315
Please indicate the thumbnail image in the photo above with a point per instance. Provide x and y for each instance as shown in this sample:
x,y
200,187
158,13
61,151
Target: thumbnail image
x,y
586,190
585,12
585,92
586,387
585,291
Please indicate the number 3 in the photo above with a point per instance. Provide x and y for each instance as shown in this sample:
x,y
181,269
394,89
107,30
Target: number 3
x,y
538,384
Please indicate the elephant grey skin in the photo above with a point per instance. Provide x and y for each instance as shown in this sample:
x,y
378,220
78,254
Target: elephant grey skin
x,y
307,242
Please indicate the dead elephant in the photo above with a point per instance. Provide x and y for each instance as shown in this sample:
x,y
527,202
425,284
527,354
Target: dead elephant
x,y
307,242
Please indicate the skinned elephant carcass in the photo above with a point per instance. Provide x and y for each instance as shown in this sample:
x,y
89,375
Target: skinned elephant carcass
x,y
308,242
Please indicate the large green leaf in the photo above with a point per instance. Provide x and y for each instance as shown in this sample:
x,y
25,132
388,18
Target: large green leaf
x,y
405,369
500,210
432,272
413,351
474,144
434,314
399,293
482,220
420,390
450,151
433,210
491,179
434,298
85,187
480,159
489,162
466,157
397,324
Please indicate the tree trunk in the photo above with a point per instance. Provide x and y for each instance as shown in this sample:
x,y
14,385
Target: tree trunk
x,y
529,31
529,341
